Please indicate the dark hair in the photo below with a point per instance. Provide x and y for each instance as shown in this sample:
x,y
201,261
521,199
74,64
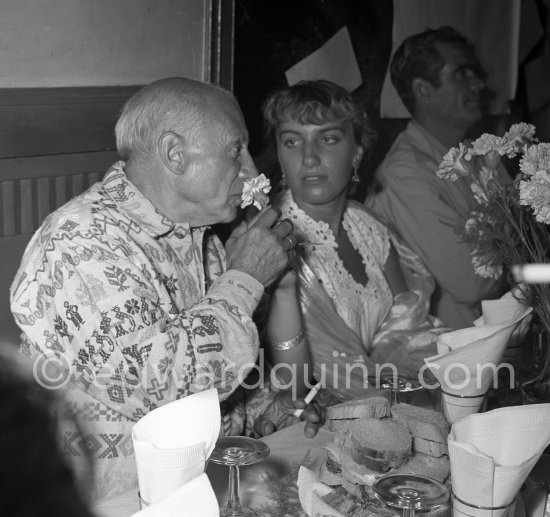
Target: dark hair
x,y
316,102
418,56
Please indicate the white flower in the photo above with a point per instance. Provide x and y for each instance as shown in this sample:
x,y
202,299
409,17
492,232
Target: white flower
x,y
521,134
500,228
535,158
455,164
535,193
488,143
485,269
255,192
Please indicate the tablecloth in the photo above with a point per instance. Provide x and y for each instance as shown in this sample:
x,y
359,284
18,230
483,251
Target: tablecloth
x,y
288,448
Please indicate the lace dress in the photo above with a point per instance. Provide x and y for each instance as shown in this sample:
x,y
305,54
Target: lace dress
x,y
349,323
362,307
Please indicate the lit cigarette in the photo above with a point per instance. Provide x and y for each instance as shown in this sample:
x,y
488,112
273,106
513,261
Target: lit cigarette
x,y
532,273
308,398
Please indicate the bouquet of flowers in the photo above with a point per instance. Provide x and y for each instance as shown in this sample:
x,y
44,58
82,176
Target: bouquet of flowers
x,y
510,223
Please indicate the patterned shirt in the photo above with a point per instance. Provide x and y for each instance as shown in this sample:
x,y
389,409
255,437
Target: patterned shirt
x,y
137,310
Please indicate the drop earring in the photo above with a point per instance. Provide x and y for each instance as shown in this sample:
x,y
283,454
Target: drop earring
x,y
355,178
282,183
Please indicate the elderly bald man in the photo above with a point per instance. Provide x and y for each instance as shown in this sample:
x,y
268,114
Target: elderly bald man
x,y
127,295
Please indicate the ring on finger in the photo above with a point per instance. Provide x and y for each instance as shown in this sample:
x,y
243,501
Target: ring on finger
x,y
291,241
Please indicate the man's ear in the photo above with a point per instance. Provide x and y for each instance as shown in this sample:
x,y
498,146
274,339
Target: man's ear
x,y
422,90
171,149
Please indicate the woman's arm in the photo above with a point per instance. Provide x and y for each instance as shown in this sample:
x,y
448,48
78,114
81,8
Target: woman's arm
x,y
393,272
287,349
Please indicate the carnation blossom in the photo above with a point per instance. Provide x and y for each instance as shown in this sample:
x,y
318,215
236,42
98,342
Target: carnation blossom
x,y
509,224
255,192
455,164
488,143
535,192
485,267
521,134
535,158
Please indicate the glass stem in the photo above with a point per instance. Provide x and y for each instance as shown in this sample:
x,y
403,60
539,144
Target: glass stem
x,y
408,512
233,503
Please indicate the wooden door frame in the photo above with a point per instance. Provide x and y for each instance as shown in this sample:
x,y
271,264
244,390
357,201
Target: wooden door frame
x,y
222,42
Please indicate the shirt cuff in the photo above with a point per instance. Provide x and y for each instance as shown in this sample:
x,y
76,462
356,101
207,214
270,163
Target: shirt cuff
x,y
237,288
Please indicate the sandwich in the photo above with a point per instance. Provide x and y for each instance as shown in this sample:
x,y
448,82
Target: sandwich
x,y
429,428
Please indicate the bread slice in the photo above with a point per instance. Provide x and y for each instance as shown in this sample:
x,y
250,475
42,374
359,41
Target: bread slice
x,y
351,488
330,471
379,444
354,473
435,449
428,427
372,407
425,465
339,426
356,504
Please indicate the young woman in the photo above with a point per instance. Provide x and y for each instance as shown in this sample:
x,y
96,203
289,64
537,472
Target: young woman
x,y
357,297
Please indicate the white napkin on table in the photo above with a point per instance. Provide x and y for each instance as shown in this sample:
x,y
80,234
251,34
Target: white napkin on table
x,y
173,442
492,454
310,493
459,365
194,499
495,312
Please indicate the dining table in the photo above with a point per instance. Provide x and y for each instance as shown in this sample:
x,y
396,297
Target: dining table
x,y
260,484
266,485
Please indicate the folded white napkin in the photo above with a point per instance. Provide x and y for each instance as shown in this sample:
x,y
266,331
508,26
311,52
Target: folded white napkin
x,y
495,312
173,442
310,493
194,499
492,454
466,363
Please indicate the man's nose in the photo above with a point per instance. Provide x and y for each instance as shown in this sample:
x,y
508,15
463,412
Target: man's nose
x,y
476,82
248,167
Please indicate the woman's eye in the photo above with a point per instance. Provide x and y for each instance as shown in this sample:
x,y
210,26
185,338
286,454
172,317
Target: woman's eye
x,y
330,139
290,142
237,151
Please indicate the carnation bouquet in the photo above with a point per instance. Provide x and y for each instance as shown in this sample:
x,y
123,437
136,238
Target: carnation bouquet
x,y
510,223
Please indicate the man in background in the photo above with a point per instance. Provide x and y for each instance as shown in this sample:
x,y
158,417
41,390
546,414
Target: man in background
x,y
441,82
130,298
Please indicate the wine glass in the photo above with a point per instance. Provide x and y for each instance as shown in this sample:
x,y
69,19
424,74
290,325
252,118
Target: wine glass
x,y
399,384
410,492
236,451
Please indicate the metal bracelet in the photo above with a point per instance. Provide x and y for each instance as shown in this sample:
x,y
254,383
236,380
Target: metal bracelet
x,y
291,343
